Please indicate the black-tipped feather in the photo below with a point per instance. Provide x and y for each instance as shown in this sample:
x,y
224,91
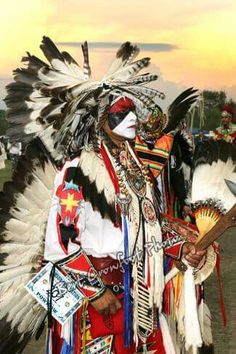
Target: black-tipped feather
x,y
179,108
127,52
87,69
11,344
50,50
186,149
69,58
90,193
34,63
210,151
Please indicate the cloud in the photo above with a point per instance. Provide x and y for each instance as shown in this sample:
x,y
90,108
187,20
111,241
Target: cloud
x,y
205,7
230,92
151,47
169,88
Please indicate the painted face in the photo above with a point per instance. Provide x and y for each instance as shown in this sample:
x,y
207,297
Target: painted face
x,y
122,119
225,118
127,126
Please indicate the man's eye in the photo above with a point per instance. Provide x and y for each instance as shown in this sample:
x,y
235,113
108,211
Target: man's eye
x,y
132,109
122,115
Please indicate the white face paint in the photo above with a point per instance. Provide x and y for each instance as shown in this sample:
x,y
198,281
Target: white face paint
x,y
127,127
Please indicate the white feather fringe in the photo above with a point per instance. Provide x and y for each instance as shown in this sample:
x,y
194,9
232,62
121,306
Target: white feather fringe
x,y
191,322
205,323
167,340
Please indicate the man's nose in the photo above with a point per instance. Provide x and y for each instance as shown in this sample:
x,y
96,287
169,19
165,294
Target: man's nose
x,y
133,116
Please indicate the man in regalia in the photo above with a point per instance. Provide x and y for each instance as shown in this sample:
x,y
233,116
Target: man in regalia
x,y
103,223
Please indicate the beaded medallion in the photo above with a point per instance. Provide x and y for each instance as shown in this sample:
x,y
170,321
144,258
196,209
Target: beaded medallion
x,y
148,211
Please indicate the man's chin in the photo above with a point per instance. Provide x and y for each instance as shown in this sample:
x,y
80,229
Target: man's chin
x,y
127,137
130,138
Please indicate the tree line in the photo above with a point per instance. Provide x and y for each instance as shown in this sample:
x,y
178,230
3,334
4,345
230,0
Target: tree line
x,y
206,113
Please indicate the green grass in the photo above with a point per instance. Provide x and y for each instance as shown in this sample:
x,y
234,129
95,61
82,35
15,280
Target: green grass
x,y
6,173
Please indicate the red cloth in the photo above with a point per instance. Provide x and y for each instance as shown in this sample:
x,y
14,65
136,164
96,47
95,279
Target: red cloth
x,y
118,343
57,341
104,326
113,325
174,251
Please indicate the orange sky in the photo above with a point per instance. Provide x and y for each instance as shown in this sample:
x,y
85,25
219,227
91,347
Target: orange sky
x,y
203,33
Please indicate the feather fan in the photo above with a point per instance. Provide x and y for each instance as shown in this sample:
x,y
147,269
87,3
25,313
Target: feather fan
x,y
24,204
214,162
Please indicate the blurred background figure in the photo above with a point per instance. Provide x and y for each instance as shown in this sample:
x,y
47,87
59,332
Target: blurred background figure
x,y
15,150
199,138
3,155
227,130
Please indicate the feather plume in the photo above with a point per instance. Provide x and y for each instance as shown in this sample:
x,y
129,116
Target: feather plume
x,y
125,55
130,70
87,69
25,204
179,107
45,98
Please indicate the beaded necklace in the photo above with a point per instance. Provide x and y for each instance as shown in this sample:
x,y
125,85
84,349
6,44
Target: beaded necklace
x,y
134,198
131,173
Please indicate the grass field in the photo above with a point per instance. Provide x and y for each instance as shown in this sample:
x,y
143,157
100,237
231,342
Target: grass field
x,y
6,173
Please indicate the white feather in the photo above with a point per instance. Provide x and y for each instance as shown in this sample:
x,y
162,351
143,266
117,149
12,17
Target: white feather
x,y
14,273
193,337
168,344
23,246
63,67
125,72
205,323
25,299
209,182
57,79
32,127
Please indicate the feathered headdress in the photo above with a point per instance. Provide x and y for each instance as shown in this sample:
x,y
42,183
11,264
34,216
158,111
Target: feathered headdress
x,y
227,110
60,102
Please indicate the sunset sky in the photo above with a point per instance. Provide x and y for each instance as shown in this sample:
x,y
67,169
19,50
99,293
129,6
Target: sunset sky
x,y
191,43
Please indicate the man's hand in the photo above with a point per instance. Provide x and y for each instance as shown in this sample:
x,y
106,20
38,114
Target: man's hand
x,y
192,256
107,304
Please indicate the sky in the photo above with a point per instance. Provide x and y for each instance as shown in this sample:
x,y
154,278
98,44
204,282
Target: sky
x,y
191,43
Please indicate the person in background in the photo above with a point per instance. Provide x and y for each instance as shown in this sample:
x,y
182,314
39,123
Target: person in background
x,y
227,130
3,155
199,138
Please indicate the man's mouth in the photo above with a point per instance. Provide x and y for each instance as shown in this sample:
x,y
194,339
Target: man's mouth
x,y
133,125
